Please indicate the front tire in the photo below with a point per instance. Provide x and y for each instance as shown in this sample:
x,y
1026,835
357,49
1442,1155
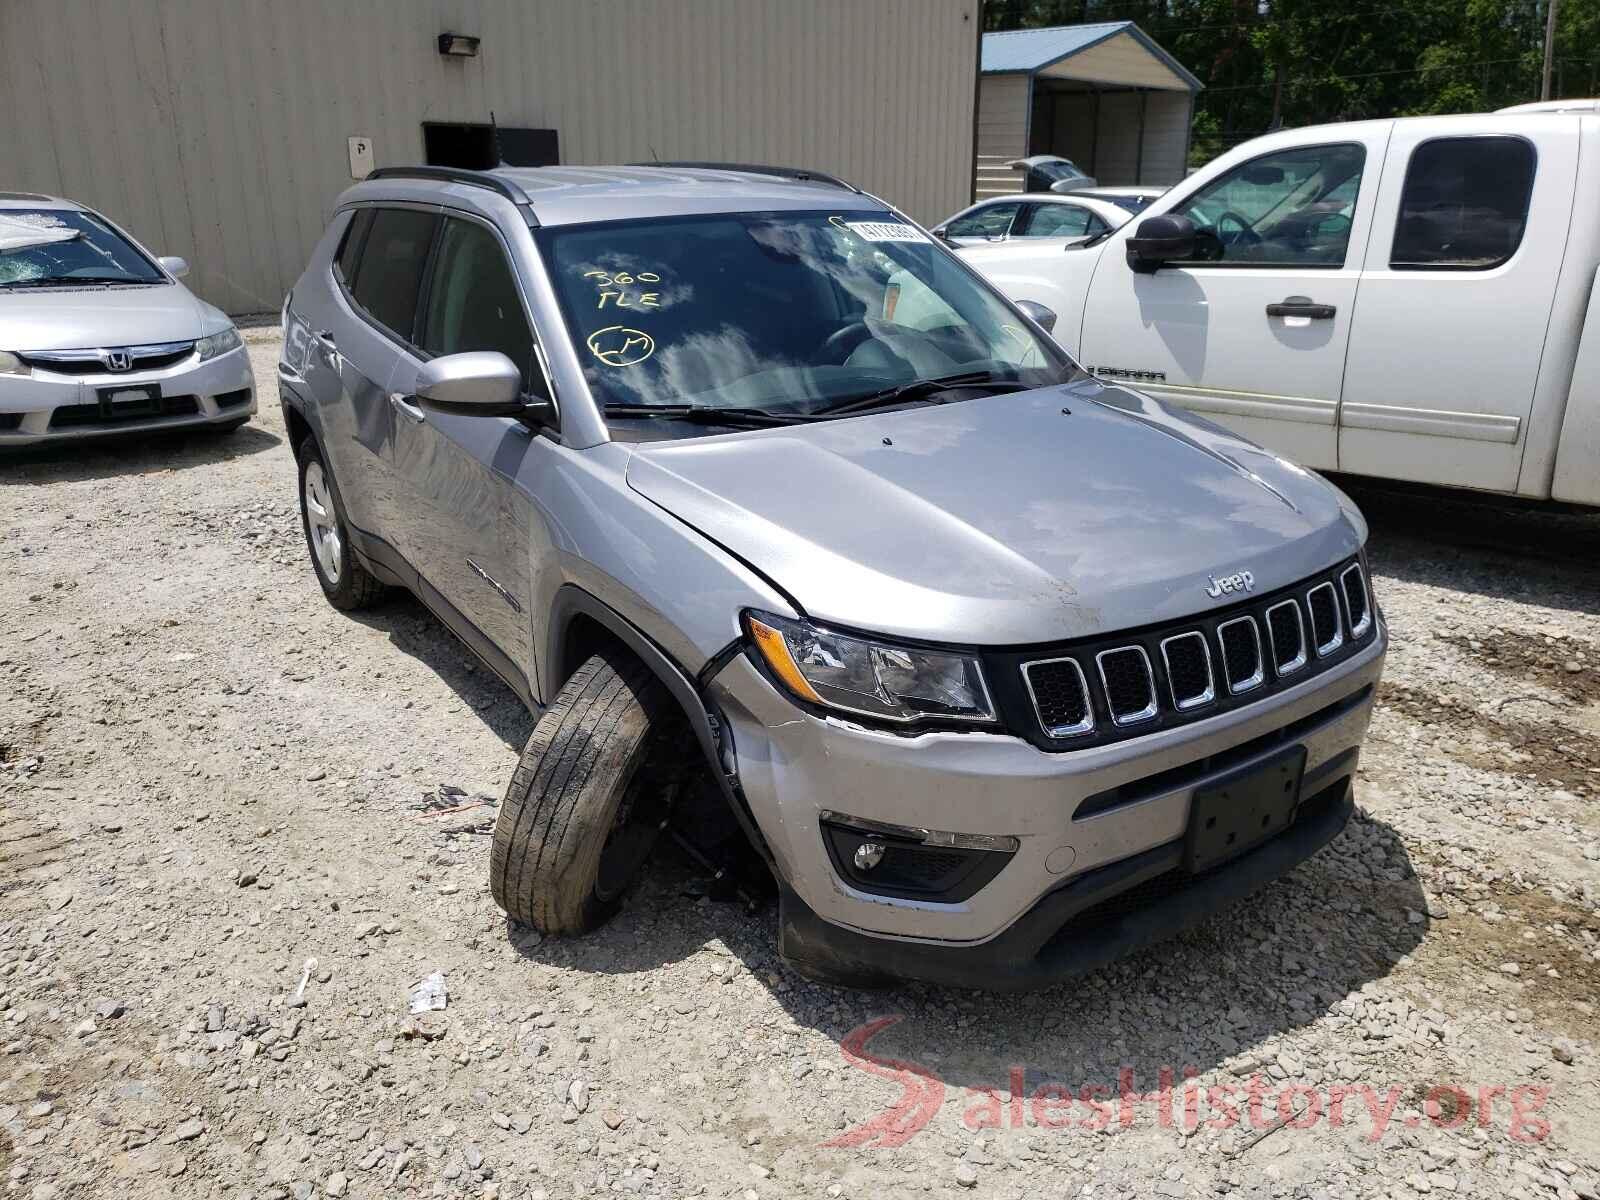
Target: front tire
x,y
345,582
594,787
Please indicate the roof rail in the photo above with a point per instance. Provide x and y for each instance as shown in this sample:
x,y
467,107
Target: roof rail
x,y
801,174
483,179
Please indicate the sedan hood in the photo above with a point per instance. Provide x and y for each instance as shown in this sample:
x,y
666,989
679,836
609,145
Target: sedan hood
x,y
1004,520
90,317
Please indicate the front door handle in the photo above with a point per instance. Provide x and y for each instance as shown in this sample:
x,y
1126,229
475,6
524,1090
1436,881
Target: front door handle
x,y
406,408
1301,306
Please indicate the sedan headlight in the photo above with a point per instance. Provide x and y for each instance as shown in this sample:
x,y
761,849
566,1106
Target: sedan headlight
x,y
10,364
877,679
214,344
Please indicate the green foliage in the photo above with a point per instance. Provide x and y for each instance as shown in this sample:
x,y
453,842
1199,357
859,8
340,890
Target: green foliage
x,y
1267,63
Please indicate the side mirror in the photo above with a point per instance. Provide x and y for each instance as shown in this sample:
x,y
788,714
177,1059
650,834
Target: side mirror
x,y
173,265
1158,241
1044,318
479,383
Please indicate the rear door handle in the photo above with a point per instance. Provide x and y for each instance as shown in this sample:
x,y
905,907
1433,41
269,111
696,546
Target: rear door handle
x,y
406,408
1301,306
330,348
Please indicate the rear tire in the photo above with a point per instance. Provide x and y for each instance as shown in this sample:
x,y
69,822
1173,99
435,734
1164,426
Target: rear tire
x,y
596,783
345,582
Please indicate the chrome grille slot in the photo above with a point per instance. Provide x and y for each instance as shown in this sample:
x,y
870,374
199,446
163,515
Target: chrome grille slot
x,y
1188,663
1326,630
94,362
1060,696
1130,685
1357,605
1114,686
1241,654
1286,632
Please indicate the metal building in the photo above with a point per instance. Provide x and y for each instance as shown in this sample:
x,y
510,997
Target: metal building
x,y
223,130
1105,96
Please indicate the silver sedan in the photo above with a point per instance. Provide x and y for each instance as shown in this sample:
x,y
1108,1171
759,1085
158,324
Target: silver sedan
x,y
97,336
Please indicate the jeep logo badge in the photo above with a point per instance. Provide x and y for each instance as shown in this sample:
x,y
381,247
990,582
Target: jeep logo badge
x,y
1242,582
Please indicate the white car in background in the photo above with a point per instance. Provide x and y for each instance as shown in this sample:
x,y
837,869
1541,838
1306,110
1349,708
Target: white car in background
x,y
1032,215
97,336
1133,197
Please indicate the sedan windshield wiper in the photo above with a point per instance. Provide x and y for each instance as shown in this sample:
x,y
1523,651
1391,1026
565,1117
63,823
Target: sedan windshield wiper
x,y
708,414
922,389
73,281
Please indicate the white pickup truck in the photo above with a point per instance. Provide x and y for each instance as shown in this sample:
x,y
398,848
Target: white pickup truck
x,y
1407,299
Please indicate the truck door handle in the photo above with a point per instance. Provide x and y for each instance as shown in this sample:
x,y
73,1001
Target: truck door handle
x,y
1301,306
406,408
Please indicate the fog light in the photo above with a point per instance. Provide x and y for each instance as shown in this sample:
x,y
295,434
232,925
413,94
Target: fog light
x,y
867,856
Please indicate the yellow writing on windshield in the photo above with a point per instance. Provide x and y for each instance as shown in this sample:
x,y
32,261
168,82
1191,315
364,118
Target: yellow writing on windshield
x,y
619,346
614,288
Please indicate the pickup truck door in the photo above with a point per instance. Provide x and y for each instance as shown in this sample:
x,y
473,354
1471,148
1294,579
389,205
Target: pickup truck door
x,y
1461,270
1251,330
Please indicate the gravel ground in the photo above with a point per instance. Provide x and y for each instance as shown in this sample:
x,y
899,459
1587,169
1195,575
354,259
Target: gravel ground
x,y
209,778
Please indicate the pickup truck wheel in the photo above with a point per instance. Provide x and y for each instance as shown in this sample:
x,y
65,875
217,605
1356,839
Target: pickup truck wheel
x,y
345,582
595,785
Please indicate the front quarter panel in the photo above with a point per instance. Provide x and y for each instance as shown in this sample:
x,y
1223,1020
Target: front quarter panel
x,y
591,531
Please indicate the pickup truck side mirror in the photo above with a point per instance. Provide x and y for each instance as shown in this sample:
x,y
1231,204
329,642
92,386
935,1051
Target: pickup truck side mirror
x,y
1044,318
1158,241
478,383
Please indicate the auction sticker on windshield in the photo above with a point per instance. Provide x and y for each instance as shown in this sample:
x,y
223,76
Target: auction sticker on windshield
x,y
886,231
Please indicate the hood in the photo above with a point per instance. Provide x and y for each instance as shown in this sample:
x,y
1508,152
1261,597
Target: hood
x,y
75,319
1003,521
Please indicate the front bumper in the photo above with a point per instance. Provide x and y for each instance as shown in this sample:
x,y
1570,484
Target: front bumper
x,y
794,766
48,407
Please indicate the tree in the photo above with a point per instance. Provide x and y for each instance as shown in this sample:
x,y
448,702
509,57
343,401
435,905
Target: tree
x,y
1304,62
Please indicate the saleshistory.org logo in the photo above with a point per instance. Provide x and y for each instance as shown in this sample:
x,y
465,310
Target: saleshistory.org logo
x,y
1257,1105
1242,582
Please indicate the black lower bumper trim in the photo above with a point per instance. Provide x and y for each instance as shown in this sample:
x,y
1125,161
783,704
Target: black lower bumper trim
x,y
1097,918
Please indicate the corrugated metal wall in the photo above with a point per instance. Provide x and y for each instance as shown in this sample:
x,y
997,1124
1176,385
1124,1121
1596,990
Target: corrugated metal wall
x,y
216,129
1003,102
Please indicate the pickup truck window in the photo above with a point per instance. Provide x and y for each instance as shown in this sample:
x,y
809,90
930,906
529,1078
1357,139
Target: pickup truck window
x,y
1292,208
1465,204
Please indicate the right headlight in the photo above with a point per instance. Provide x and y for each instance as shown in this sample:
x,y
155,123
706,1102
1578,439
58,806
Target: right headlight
x,y
214,344
10,364
866,676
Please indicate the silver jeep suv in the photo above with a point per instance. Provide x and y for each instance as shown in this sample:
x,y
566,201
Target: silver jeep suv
x,y
735,473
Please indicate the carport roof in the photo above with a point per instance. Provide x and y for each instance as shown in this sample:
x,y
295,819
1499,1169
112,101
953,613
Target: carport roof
x,y
1029,51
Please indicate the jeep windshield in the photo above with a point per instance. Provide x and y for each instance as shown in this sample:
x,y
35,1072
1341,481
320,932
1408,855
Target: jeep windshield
x,y
66,248
786,314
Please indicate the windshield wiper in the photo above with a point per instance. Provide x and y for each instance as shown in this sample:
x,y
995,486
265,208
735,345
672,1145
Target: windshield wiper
x,y
708,414
73,281
922,389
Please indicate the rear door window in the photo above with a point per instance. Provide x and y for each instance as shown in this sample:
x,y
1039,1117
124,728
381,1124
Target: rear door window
x,y
344,264
389,275
473,303
991,222
1465,204
1059,220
